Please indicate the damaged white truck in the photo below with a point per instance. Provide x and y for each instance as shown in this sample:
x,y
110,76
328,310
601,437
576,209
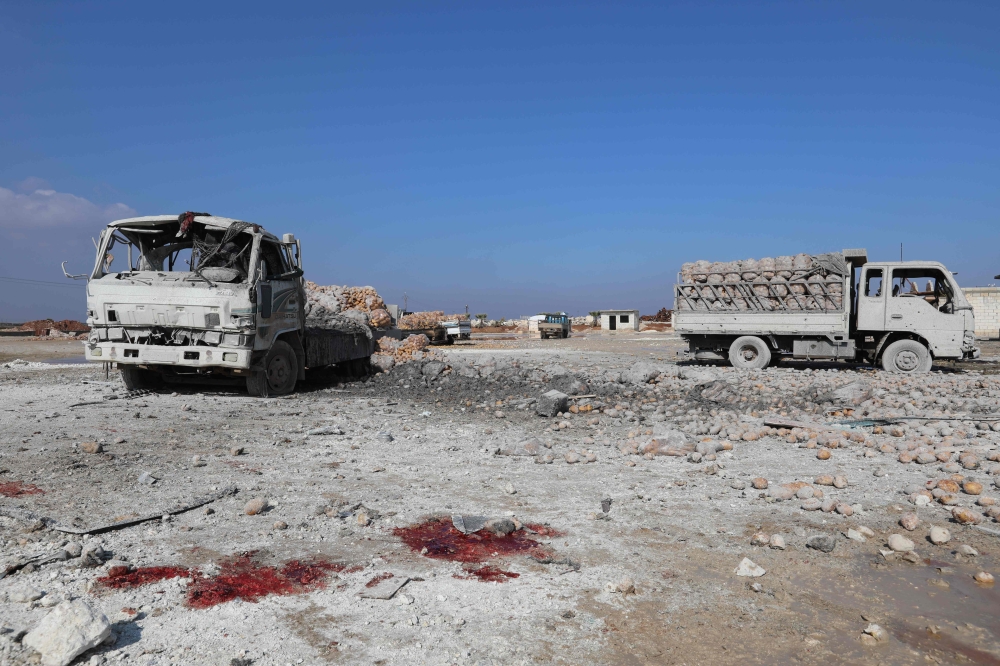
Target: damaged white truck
x,y
199,298
836,306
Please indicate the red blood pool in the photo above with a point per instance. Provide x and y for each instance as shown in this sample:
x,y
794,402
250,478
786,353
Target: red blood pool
x,y
444,542
544,530
378,579
17,488
243,578
490,574
125,578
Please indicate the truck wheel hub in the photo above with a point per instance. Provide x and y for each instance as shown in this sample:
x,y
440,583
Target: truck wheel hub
x,y
277,371
748,353
907,361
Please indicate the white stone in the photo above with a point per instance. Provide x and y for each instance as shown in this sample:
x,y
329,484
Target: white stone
x,y
900,544
940,535
70,629
855,535
748,569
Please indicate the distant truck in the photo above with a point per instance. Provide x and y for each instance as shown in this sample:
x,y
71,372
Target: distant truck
x,y
837,306
553,325
457,329
200,298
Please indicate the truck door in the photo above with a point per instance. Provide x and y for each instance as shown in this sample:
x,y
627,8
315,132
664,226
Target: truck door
x,y
925,301
277,295
871,300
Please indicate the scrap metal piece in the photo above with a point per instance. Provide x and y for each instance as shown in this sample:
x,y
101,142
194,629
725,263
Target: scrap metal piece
x,y
198,502
385,588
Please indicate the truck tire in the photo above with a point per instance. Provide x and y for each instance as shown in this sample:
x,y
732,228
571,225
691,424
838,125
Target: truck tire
x,y
907,357
278,374
137,379
565,334
749,353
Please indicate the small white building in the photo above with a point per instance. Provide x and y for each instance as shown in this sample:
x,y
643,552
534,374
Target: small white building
x,y
619,320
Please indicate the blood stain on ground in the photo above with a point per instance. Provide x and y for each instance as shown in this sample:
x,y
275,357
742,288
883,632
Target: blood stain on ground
x,y
242,578
437,538
126,577
378,579
19,488
239,577
490,574
543,530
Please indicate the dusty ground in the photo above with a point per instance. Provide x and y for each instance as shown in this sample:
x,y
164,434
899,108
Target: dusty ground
x,y
414,446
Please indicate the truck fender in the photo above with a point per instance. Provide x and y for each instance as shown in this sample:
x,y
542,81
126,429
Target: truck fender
x,y
892,336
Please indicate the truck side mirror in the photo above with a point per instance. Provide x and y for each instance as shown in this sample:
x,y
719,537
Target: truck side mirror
x,y
262,271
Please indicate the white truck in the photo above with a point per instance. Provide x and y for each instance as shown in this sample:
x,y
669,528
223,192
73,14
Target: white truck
x,y
200,298
457,329
836,306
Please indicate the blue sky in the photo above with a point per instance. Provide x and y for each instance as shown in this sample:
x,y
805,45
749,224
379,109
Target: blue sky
x,y
515,157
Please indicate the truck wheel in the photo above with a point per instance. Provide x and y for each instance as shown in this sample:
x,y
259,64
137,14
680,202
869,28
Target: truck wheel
x,y
906,356
137,379
565,334
278,375
749,353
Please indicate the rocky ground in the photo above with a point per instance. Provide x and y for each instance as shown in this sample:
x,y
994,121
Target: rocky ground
x,y
620,529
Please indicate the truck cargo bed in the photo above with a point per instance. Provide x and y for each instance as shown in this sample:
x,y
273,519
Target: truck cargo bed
x,y
326,346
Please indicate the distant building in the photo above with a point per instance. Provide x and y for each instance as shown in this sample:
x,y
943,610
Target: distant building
x,y
619,320
985,302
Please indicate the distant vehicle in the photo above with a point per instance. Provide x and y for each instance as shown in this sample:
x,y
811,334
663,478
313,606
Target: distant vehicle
x,y
836,306
555,325
457,329
200,298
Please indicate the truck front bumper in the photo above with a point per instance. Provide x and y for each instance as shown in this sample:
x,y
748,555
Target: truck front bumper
x,y
188,357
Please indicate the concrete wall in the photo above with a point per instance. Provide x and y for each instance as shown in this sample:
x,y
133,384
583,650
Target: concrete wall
x,y
632,325
985,302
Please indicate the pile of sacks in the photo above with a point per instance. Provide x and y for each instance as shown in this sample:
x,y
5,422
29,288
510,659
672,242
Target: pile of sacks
x,y
393,352
802,282
420,320
325,305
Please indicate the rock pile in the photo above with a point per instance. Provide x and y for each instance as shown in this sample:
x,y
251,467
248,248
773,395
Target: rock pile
x,y
392,352
326,305
421,320
802,282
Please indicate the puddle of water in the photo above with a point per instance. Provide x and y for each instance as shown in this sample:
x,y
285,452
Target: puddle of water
x,y
19,488
437,538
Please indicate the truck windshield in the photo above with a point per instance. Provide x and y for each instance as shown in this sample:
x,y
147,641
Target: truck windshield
x,y
929,284
164,248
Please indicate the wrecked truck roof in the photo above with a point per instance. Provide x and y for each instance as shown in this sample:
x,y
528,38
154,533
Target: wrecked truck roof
x,y
209,220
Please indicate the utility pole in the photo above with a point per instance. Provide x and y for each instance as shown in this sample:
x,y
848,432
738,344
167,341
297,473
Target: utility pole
x,y
900,251
405,300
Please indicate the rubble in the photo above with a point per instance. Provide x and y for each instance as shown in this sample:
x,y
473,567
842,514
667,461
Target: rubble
x,y
69,630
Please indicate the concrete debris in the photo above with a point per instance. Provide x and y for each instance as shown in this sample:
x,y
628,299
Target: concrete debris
x,y
69,630
747,568
552,403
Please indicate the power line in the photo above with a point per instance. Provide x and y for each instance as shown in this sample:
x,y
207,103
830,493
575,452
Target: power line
x,y
58,284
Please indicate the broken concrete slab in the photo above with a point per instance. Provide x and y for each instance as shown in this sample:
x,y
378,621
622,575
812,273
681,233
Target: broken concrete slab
x,y
72,628
551,403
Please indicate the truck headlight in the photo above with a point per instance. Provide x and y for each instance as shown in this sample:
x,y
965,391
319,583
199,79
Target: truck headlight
x,y
230,357
96,351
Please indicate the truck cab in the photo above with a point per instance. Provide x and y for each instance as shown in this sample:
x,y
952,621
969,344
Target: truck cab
x,y
553,325
912,300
